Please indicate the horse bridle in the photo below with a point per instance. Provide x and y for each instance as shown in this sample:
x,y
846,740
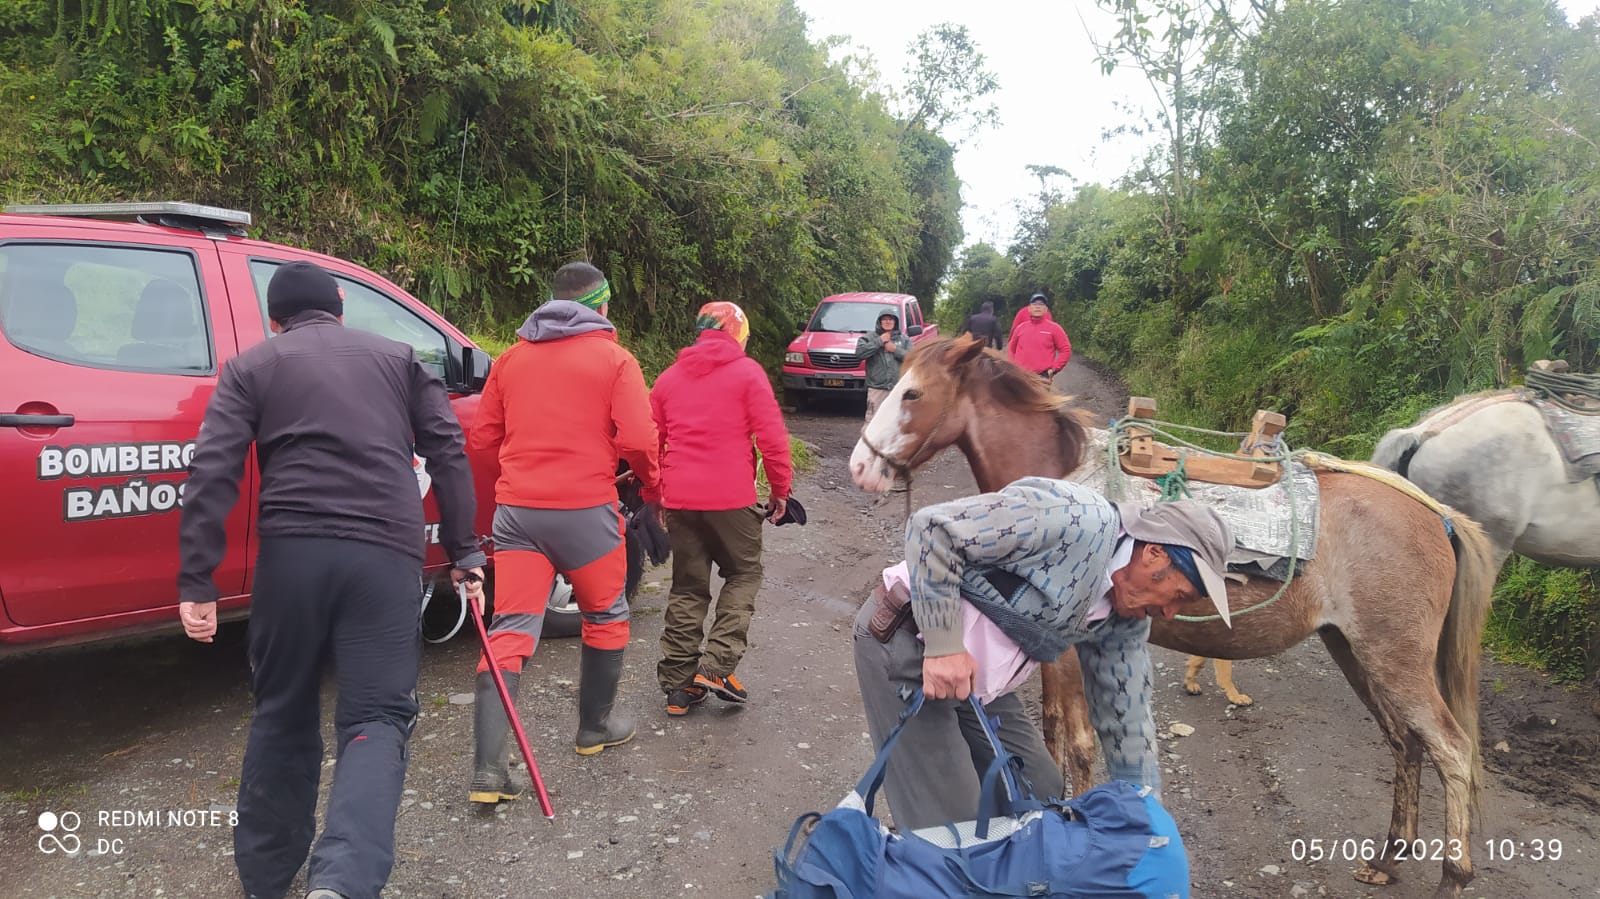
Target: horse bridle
x,y
903,469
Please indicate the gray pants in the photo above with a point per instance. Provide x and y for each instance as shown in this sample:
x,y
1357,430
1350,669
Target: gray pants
x,y
936,768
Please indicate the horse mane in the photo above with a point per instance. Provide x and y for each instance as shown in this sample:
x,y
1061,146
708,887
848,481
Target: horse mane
x,y
1007,383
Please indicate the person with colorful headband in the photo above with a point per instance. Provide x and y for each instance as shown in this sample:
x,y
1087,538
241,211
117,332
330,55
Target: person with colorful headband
x,y
1001,582
560,407
710,406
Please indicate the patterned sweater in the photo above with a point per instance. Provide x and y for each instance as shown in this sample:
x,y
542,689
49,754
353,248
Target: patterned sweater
x,y
1032,557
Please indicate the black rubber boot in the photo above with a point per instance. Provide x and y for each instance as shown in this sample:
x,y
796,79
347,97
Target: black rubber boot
x,y
600,670
491,778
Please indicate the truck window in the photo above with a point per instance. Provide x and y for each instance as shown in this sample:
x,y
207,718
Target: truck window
x,y
849,317
370,310
128,308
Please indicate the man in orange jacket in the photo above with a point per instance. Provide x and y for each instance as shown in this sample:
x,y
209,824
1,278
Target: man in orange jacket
x,y
559,408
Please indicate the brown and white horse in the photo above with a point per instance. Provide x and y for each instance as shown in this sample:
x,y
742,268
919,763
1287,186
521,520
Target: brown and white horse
x,y
1398,602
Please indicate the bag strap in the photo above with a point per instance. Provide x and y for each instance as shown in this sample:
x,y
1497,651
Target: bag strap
x,y
872,781
1017,796
787,856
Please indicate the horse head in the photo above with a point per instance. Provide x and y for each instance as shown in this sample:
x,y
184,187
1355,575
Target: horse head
x,y
954,391
924,413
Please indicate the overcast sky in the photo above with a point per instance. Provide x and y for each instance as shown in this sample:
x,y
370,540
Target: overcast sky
x,y
1054,102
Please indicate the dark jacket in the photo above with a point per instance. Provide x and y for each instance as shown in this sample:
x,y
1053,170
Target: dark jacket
x,y
334,413
984,325
883,363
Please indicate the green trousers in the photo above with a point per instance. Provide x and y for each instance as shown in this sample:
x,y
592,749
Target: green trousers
x,y
730,538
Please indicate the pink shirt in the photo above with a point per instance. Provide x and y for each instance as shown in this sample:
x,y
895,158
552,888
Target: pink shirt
x,y
1002,665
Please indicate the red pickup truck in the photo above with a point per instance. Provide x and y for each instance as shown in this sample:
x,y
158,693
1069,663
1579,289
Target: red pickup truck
x,y
822,361
116,319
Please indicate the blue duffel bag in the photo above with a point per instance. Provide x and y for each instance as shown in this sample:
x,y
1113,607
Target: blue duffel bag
x,y
1113,841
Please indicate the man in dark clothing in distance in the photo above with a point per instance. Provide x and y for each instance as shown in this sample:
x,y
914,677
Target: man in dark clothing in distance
x,y
335,414
984,325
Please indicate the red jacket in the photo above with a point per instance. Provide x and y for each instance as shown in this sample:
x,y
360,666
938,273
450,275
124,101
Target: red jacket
x,y
559,407
1038,345
708,405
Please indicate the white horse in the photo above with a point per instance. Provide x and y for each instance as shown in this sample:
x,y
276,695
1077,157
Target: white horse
x,y
1491,457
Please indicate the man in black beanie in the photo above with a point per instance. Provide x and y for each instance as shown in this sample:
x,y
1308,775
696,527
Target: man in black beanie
x,y
301,287
335,414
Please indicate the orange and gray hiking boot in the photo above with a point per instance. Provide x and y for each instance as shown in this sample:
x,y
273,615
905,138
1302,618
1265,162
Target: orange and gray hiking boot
x,y
727,687
679,700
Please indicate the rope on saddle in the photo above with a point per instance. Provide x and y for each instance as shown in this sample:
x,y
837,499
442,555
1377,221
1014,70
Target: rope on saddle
x,y
1556,386
1175,484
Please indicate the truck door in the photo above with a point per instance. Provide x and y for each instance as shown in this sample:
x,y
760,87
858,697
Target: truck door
x,y
373,304
110,354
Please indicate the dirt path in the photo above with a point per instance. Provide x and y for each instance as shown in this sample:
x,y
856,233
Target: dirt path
x,y
695,806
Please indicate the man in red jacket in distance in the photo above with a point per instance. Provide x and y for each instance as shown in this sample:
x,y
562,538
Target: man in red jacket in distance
x,y
1037,343
709,406
560,406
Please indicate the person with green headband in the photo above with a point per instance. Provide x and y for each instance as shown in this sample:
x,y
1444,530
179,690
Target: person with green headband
x,y
561,406
597,297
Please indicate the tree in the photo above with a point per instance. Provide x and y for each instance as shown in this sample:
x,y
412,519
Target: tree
x,y
467,149
943,106
982,274
928,166
1168,62
946,83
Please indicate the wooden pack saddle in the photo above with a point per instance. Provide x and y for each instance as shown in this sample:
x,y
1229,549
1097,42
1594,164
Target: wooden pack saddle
x,y
1580,403
1144,457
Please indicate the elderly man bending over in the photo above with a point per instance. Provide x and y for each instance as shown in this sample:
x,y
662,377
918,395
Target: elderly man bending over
x,y
1016,577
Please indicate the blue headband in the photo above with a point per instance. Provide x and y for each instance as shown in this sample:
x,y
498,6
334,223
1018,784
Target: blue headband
x,y
1183,559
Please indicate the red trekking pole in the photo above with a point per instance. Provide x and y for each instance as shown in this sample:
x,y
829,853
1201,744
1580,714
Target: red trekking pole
x,y
505,700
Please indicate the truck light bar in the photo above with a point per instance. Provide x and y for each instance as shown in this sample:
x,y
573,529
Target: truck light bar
x,y
136,211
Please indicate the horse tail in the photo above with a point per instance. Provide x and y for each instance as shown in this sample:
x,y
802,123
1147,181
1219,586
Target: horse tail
x,y
1395,450
1461,639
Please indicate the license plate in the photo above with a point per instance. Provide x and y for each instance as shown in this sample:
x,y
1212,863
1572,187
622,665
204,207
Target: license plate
x,y
833,382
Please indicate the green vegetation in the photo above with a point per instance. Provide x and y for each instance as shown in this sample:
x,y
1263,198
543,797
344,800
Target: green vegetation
x,y
1359,210
694,150
1545,618
800,456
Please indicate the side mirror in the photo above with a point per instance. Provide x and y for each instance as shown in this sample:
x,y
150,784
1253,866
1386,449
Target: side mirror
x,y
474,369
913,330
